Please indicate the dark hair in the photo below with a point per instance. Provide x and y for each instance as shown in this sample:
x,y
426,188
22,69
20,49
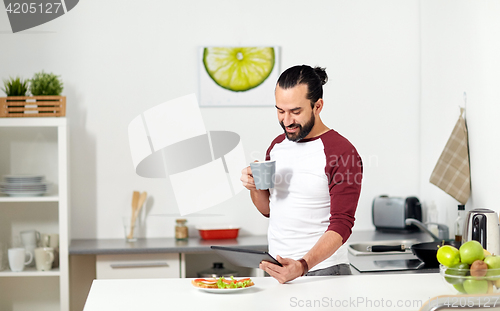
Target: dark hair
x,y
314,78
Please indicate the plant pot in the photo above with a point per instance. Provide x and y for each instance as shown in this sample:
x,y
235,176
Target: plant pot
x,y
33,106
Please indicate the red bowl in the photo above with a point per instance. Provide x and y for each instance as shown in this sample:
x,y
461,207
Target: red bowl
x,y
219,234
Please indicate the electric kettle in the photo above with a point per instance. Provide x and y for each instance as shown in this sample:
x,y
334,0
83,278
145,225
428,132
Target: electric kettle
x,y
482,225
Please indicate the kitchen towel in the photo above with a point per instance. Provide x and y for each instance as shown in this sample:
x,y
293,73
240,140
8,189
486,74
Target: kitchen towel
x,y
452,172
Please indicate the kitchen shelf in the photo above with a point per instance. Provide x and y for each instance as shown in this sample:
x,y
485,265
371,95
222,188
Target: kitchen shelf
x,y
32,122
36,146
30,271
48,198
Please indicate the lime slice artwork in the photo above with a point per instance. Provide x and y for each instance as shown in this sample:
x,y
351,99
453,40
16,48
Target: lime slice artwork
x,y
239,69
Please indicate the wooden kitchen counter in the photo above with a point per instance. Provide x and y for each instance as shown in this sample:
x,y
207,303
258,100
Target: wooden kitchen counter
x,y
356,292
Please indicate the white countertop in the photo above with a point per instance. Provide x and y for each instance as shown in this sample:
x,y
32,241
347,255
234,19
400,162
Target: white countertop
x,y
356,292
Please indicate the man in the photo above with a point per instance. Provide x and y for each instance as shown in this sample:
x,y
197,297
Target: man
x,y
318,181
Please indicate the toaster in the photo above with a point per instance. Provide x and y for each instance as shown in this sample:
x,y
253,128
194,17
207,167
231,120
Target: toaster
x,y
390,213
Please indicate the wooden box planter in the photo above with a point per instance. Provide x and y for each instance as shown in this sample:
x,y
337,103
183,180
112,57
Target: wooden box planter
x,y
33,106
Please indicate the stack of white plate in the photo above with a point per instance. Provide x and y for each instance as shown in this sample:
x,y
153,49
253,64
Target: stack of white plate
x,y
24,185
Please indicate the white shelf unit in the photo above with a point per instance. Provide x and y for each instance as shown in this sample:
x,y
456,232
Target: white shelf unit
x,y
47,198
24,290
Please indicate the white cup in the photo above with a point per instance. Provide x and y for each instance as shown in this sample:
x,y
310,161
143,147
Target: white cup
x,y
30,250
30,237
263,174
44,257
17,257
50,240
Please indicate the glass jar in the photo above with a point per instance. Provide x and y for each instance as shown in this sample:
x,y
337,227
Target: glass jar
x,y
181,230
459,223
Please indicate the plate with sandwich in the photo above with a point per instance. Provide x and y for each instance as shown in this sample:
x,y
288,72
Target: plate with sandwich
x,y
222,285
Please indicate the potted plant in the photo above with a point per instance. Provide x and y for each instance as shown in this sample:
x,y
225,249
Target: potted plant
x,y
46,99
15,87
45,84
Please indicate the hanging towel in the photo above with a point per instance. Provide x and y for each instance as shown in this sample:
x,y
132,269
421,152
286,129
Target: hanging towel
x,y
452,173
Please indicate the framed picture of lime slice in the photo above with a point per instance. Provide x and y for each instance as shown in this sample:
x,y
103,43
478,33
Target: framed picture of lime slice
x,y
238,76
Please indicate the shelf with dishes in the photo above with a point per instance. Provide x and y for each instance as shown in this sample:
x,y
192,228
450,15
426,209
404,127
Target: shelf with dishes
x,y
26,188
34,196
30,272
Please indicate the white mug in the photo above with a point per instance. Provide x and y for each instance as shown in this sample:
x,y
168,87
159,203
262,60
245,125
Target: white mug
x,y
30,238
17,257
50,240
30,249
44,257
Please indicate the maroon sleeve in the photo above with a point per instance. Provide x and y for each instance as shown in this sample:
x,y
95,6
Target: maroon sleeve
x,y
344,169
277,140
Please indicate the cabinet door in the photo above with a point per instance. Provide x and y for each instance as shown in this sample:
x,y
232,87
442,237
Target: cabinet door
x,y
137,266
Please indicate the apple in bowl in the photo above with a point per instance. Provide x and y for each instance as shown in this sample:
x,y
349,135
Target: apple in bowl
x,y
470,269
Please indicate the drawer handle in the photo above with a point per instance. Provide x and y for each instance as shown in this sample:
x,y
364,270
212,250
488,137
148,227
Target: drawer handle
x,y
139,265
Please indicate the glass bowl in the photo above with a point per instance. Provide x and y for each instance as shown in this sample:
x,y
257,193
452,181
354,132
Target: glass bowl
x,y
483,281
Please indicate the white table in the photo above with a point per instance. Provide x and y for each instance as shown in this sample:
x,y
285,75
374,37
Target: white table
x,y
355,292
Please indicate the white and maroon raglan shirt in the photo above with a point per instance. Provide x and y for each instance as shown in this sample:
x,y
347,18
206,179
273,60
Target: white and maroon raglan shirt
x,y
317,187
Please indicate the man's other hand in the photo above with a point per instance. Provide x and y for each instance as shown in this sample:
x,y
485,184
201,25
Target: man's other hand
x,y
247,178
291,269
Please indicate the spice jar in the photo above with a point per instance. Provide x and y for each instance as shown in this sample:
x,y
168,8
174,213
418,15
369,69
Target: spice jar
x,y
181,230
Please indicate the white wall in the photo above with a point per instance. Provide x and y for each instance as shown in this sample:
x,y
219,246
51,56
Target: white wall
x,y
460,53
119,58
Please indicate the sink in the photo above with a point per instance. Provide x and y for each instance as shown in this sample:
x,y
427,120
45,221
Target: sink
x,y
360,249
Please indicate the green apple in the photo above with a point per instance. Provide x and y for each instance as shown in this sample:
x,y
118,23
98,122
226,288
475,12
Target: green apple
x,y
448,255
473,287
471,251
460,287
456,272
493,263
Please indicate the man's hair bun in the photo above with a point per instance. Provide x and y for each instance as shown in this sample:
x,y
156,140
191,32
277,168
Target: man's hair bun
x,y
321,72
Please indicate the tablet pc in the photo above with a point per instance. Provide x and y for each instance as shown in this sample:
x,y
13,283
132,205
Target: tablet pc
x,y
244,257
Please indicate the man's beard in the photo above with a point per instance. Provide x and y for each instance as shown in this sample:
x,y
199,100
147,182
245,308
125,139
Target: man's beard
x,y
303,131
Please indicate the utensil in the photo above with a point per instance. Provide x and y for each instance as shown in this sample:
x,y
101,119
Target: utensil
x,y
482,225
139,200
387,248
142,199
427,251
135,201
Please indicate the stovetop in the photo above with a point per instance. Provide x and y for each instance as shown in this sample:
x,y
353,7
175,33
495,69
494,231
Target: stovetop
x,y
389,263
